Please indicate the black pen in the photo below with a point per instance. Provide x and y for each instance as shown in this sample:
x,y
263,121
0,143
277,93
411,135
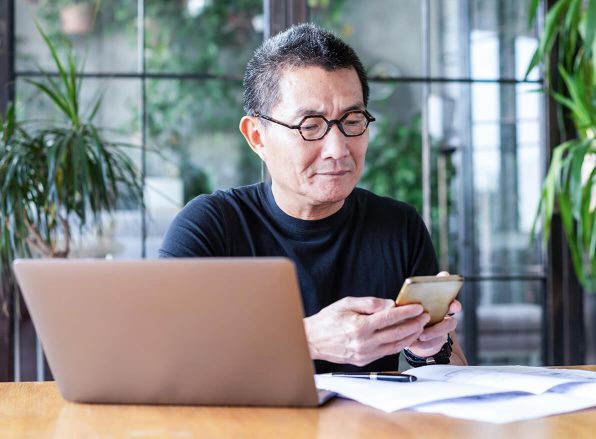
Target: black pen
x,y
380,376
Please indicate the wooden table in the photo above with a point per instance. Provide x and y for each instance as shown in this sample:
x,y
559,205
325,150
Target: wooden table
x,y
36,410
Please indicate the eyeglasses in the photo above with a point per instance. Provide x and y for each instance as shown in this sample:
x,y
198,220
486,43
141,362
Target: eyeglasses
x,y
351,124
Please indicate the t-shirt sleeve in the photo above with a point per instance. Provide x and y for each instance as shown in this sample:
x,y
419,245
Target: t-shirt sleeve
x,y
423,259
198,230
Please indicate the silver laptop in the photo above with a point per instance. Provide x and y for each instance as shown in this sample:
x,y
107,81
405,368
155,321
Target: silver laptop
x,y
220,331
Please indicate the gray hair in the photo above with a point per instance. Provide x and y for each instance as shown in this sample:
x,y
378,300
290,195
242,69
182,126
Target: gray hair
x,y
303,45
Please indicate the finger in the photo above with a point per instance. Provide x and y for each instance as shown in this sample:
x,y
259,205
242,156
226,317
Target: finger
x,y
454,307
399,332
439,330
384,350
396,346
392,316
364,305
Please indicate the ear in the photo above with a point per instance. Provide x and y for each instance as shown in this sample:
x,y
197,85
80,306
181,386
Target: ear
x,y
252,131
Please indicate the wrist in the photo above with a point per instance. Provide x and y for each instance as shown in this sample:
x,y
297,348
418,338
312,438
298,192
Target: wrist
x,y
313,351
441,357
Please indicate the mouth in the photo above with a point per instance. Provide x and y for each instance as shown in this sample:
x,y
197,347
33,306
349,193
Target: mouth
x,y
334,173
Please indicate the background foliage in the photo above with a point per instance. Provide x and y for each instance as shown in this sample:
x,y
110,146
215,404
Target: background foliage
x,y
570,35
57,174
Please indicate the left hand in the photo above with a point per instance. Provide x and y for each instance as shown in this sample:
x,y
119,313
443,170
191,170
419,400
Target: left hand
x,y
434,337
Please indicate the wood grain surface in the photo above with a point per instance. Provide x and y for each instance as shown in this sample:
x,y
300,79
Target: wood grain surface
x,y
36,410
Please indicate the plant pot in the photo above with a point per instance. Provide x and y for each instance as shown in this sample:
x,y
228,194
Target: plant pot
x,y
77,18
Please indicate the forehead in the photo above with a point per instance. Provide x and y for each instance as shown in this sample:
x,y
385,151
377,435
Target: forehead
x,y
315,88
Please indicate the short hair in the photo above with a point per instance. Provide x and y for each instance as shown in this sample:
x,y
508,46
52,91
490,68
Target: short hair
x,y
302,45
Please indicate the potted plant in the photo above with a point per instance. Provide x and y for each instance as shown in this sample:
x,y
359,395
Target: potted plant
x,y
571,81
77,17
58,175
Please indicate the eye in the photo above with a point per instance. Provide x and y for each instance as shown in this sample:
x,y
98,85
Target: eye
x,y
354,119
309,127
312,124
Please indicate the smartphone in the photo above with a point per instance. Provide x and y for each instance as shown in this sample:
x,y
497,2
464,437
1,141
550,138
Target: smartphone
x,y
434,293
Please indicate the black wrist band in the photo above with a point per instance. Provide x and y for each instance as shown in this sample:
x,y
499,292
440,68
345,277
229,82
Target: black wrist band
x,y
441,357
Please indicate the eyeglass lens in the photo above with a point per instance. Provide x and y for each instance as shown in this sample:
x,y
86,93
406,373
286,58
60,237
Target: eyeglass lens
x,y
352,124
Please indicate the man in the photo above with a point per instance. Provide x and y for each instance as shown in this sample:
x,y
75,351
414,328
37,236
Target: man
x,y
305,96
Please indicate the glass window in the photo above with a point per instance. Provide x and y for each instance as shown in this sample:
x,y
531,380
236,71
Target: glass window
x,y
202,36
510,321
106,39
484,124
119,122
484,127
507,177
194,147
386,34
484,39
186,105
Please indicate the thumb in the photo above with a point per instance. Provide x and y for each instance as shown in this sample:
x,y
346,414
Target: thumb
x,y
365,305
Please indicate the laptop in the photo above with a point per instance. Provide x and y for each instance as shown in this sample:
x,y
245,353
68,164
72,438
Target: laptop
x,y
206,331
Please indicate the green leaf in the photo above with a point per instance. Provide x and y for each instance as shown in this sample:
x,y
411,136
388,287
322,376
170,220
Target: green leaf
x,y
58,100
536,58
587,213
533,10
552,27
53,53
590,36
94,109
568,225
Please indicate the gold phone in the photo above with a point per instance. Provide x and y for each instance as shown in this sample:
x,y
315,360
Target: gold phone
x,y
434,293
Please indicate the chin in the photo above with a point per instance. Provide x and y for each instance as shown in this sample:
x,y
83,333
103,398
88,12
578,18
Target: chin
x,y
334,196
329,190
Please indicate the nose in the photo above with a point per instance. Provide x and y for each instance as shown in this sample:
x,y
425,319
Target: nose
x,y
335,144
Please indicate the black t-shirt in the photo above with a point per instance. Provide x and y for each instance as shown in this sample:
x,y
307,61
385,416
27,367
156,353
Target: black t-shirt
x,y
367,248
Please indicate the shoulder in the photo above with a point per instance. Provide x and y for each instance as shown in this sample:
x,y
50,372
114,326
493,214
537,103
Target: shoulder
x,y
222,202
204,226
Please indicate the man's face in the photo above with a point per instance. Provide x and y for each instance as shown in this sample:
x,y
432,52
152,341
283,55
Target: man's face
x,y
311,179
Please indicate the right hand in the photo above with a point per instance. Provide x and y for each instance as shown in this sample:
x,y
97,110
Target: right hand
x,y
359,330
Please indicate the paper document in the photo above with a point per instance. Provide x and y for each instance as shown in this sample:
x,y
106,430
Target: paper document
x,y
392,396
485,393
509,409
520,378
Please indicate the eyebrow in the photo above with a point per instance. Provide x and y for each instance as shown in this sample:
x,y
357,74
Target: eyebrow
x,y
303,112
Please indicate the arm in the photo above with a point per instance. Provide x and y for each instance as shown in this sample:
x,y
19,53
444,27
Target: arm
x,y
359,330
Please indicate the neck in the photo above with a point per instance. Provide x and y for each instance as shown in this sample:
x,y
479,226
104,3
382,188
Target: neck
x,y
302,209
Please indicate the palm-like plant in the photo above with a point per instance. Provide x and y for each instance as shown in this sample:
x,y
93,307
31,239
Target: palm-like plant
x,y
571,175
56,175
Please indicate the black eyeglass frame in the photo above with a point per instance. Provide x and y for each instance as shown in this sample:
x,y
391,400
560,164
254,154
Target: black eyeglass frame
x,y
330,123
